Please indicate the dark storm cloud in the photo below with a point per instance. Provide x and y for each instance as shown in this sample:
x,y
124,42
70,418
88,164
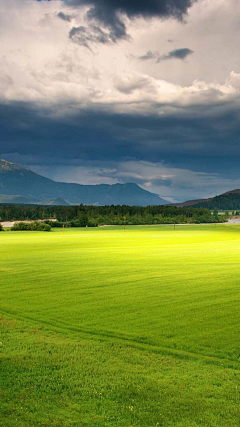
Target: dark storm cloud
x,y
93,34
107,136
110,12
64,17
176,54
148,55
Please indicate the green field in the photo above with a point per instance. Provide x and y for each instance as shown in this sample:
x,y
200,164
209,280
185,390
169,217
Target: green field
x,y
101,327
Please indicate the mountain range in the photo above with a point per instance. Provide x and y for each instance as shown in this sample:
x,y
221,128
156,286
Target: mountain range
x,y
22,186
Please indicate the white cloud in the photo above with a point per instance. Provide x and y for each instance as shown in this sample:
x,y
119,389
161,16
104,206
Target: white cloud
x,y
39,63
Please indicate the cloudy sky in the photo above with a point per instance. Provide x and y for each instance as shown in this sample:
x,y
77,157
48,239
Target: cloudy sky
x,y
106,91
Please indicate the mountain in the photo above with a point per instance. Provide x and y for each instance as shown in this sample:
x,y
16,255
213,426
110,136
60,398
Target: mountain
x,y
21,185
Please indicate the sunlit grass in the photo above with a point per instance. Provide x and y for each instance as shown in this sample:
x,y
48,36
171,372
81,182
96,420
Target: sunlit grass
x,y
105,327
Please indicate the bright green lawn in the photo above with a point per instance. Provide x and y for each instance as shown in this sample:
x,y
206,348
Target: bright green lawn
x,y
102,327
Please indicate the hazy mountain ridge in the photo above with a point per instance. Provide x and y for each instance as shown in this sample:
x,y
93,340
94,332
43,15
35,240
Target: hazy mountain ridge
x,y
190,203
27,187
53,202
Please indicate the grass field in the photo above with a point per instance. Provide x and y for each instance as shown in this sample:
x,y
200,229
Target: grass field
x,y
101,327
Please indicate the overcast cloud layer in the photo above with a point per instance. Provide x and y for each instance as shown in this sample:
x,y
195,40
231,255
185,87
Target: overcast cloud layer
x,y
123,91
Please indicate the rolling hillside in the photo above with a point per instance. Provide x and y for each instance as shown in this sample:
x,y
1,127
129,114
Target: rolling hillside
x,y
226,201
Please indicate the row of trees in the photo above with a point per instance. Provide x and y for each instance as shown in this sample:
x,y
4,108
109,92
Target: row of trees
x,y
33,226
92,216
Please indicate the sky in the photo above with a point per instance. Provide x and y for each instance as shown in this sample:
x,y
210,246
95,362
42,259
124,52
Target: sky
x,y
107,91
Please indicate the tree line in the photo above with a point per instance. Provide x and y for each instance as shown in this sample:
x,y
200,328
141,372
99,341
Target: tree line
x,y
93,216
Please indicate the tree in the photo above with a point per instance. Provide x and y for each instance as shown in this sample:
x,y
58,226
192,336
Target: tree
x,y
83,220
215,212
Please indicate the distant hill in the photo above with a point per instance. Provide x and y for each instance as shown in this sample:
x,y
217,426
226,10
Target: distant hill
x,y
226,201
13,199
21,185
53,202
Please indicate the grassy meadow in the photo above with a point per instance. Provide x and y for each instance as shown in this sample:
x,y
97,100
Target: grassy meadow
x,y
101,327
